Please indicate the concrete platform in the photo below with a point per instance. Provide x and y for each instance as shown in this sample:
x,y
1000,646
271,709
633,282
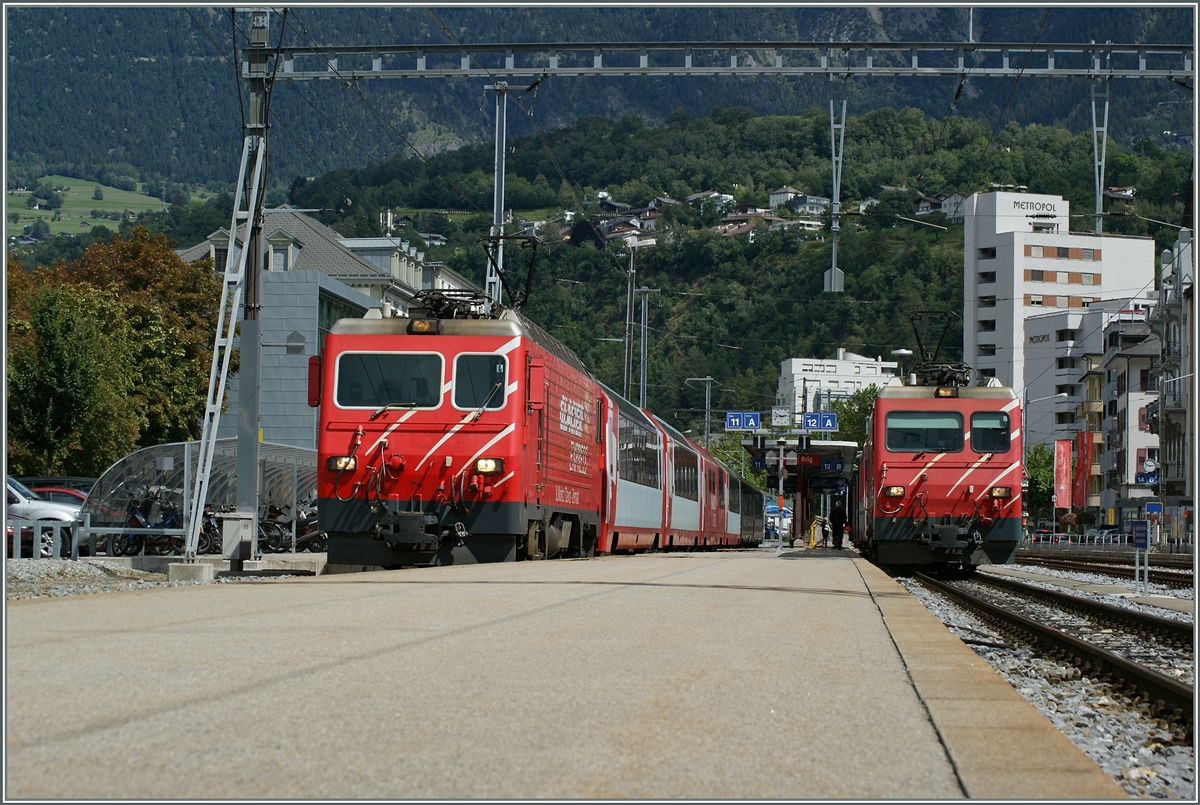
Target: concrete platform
x,y
1124,590
802,674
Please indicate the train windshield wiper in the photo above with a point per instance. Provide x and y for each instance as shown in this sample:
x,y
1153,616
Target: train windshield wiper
x,y
391,406
479,411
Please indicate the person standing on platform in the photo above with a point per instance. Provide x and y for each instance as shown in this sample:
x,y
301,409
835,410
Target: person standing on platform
x,y
837,522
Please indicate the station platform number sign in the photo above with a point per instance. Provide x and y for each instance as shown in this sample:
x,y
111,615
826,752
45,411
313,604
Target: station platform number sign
x,y
742,420
820,420
833,465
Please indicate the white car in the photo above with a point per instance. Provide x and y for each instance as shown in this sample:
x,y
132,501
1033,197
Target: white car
x,y
24,508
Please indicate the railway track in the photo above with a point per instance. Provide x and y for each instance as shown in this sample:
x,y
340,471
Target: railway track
x,y
1170,578
1161,695
1170,561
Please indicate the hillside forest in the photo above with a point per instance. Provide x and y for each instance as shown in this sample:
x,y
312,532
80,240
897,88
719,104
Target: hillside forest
x,y
729,307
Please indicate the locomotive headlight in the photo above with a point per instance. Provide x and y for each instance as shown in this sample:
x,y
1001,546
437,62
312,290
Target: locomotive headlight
x,y
1002,491
341,463
424,327
489,466
893,491
946,391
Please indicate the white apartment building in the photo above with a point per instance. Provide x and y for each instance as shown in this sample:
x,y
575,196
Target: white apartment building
x,y
1020,258
1060,347
809,384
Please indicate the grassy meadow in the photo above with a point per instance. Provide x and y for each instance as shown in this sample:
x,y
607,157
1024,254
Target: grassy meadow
x,y
78,203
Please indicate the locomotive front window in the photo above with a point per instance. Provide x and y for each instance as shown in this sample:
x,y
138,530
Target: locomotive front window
x,y
479,381
375,379
924,431
989,432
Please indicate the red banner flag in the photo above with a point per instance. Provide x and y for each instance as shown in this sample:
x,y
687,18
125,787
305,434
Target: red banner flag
x,y
1083,467
1062,473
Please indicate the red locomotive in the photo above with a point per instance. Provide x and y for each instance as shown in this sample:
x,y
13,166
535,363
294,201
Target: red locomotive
x,y
457,436
939,483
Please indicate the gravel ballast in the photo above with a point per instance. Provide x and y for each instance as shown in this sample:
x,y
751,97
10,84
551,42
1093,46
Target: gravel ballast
x,y
1120,737
50,578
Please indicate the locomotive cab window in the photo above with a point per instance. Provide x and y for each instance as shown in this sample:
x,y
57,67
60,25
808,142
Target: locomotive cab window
x,y
924,431
479,381
375,379
989,432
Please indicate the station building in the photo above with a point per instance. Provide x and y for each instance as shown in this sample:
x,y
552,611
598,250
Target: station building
x,y
311,277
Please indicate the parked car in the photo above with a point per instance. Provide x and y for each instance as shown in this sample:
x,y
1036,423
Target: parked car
x,y
1041,535
24,506
82,484
60,494
72,497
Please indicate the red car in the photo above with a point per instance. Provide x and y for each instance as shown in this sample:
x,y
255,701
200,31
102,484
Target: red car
x,y
61,494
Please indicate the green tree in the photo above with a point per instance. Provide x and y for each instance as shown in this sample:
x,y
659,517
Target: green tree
x,y
1039,466
70,378
171,308
98,194
852,413
40,229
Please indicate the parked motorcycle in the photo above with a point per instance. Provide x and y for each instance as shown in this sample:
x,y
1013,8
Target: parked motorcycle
x,y
148,511
275,531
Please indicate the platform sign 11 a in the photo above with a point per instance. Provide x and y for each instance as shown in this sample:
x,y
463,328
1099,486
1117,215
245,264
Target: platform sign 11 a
x,y
742,420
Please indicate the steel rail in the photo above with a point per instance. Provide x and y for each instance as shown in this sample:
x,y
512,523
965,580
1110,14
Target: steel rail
x,y
1169,577
1181,632
1168,698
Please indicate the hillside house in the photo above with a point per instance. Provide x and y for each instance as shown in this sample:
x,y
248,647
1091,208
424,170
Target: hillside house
x,y
805,204
782,197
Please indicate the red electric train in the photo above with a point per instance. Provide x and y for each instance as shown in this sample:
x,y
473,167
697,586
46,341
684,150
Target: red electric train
x,y
939,483
458,436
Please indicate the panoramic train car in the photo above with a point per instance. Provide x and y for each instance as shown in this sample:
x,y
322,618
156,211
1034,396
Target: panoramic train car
x,y
939,483
640,501
453,436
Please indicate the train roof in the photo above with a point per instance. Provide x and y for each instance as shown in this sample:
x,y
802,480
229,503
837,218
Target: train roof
x,y
509,323
964,392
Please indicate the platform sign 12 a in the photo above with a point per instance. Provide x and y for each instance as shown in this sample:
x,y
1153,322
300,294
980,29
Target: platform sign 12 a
x,y
820,420
742,420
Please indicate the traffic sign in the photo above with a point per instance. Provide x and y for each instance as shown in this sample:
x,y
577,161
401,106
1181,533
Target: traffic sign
x,y
833,465
820,420
1140,529
1145,478
758,463
1154,507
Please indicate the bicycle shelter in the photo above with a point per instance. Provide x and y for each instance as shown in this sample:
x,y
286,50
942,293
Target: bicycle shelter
x,y
167,472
